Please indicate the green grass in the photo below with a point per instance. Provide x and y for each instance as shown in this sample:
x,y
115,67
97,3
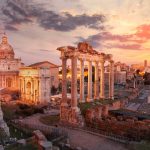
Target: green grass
x,y
145,145
18,133
84,106
3,135
50,120
28,146
9,111
14,111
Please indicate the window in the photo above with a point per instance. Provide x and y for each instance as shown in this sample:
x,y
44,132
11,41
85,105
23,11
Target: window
x,y
8,67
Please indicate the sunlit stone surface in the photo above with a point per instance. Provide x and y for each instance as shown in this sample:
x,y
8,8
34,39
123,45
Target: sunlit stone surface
x,y
83,52
35,84
3,124
9,65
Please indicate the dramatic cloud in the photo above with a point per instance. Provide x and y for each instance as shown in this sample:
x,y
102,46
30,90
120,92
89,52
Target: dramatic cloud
x,y
143,32
130,41
17,12
67,22
125,46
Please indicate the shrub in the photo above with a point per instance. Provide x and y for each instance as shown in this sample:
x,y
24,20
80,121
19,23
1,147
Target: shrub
x,y
23,106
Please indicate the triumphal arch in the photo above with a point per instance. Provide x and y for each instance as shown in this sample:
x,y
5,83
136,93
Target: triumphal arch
x,y
34,85
84,53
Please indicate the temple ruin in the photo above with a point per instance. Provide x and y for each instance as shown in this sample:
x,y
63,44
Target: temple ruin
x,y
85,54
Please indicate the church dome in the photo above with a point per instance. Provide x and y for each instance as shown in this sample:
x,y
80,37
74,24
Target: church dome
x,y
6,50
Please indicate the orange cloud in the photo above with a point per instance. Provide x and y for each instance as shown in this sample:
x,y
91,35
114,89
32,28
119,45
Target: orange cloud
x,y
135,41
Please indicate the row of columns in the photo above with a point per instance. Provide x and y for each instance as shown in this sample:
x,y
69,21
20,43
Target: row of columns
x,y
96,82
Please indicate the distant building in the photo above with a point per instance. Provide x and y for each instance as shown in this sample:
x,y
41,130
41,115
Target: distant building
x,y
147,76
54,69
137,67
130,75
145,63
121,67
120,73
120,77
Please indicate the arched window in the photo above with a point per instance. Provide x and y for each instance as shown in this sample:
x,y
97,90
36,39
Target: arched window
x,y
28,88
9,82
8,67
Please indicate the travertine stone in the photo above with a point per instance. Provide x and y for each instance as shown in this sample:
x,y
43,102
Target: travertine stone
x,y
82,99
96,95
102,80
36,84
89,98
111,80
64,82
74,82
83,52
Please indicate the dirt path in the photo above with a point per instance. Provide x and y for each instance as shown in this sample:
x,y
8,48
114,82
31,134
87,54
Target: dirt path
x,y
82,138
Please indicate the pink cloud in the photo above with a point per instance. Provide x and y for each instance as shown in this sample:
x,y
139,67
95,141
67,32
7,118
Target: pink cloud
x,y
143,31
133,41
125,46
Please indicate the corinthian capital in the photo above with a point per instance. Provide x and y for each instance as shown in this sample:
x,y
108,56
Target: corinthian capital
x,y
111,62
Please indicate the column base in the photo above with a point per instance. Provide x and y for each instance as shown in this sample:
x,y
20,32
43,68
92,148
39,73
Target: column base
x,y
89,99
82,101
76,109
64,104
96,97
71,116
112,98
102,97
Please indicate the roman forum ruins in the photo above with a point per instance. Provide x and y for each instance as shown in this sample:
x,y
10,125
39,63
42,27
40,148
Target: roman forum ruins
x,y
84,53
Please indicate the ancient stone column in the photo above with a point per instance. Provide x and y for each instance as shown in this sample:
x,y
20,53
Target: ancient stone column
x,y
24,97
0,81
96,96
64,82
74,82
111,80
21,87
17,84
89,98
102,80
82,81
36,85
40,98
32,91
4,81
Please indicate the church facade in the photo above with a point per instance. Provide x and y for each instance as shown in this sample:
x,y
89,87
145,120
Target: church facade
x,y
9,66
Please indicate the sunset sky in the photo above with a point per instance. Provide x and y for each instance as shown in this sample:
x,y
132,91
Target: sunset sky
x,y
37,27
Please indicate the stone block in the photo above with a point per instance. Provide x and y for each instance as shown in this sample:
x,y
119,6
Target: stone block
x,y
45,145
1,147
22,142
